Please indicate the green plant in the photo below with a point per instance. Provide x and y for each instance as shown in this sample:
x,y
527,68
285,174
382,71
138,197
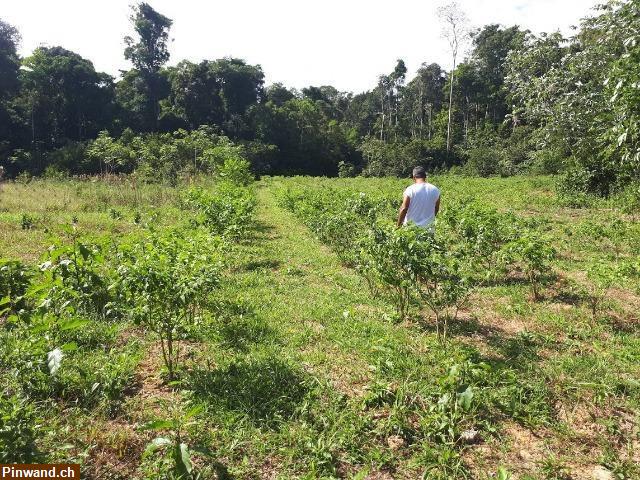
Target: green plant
x,y
236,170
15,279
502,474
443,282
115,214
75,274
534,253
602,277
18,429
174,453
167,279
27,222
390,255
228,210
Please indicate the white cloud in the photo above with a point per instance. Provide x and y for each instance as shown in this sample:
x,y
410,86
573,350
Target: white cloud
x,y
346,43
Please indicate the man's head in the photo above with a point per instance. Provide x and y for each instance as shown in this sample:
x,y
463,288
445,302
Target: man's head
x,y
419,172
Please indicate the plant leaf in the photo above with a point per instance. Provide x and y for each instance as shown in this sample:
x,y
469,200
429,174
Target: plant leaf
x,y
183,460
464,398
54,358
157,425
157,443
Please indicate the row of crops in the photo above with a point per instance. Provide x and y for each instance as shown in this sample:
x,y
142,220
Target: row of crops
x,y
474,246
74,327
572,278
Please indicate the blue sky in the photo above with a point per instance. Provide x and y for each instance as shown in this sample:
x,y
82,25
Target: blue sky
x,y
345,43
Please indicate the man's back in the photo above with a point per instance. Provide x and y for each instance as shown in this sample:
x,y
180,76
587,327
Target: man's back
x,y
423,197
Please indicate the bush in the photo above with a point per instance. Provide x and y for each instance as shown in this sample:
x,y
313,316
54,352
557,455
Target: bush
x,y
18,422
15,279
227,211
346,170
236,170
167,278
483,161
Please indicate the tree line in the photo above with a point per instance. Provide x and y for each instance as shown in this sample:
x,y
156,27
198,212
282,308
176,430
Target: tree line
x,y
516,103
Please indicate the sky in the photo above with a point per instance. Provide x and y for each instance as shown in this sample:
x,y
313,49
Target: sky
x,y
344,43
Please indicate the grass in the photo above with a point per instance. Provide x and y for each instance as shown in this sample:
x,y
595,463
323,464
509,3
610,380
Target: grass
x,y
302,373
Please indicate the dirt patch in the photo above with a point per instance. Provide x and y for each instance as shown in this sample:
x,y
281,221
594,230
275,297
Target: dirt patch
x,y
115,452
520,450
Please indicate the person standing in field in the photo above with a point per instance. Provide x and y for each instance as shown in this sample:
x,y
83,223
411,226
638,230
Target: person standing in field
x,y
420,202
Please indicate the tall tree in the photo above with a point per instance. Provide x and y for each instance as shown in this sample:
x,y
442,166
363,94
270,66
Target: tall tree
x,y
149,53
241,86
388,91
278,94
491,46
195,93
68,98
423,98
455,31
9,84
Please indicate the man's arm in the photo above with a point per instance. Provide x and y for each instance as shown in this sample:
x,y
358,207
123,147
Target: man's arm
x,y
403,210
437,206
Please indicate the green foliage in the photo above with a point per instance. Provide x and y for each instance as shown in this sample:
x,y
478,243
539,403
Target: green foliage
x,y
473,245
534,254
18,430
226,211
173,453
346,169
602,276
27,222
235,170
580,95
115,156
15,278
398,158
75,276
167,279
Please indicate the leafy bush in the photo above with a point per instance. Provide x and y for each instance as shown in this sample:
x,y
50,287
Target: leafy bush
x,y
346,169
18,425
483,161
235,170
15,278
534,254
475,244
227,210
75,275
167,279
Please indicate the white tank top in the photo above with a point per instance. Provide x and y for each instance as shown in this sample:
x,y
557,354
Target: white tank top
x,y
422,204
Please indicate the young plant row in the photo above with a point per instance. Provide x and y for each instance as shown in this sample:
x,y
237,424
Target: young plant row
x,y
473,246
65,324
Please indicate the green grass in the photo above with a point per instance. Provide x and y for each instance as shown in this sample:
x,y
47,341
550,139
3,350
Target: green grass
x,y
303,373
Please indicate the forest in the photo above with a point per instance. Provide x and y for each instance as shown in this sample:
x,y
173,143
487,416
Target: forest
x,y
514,103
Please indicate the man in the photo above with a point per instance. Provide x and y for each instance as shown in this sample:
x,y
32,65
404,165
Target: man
x,y
421,201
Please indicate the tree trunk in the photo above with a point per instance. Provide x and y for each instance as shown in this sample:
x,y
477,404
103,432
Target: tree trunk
x,y
450,106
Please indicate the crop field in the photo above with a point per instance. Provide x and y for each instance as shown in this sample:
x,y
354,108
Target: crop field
x,y
285,328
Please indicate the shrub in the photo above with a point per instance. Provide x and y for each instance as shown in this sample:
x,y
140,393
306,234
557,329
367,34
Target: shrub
x,y
18,423
235,170
227,211
533,253
346,169
167,279
483,161
75,275
15,279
